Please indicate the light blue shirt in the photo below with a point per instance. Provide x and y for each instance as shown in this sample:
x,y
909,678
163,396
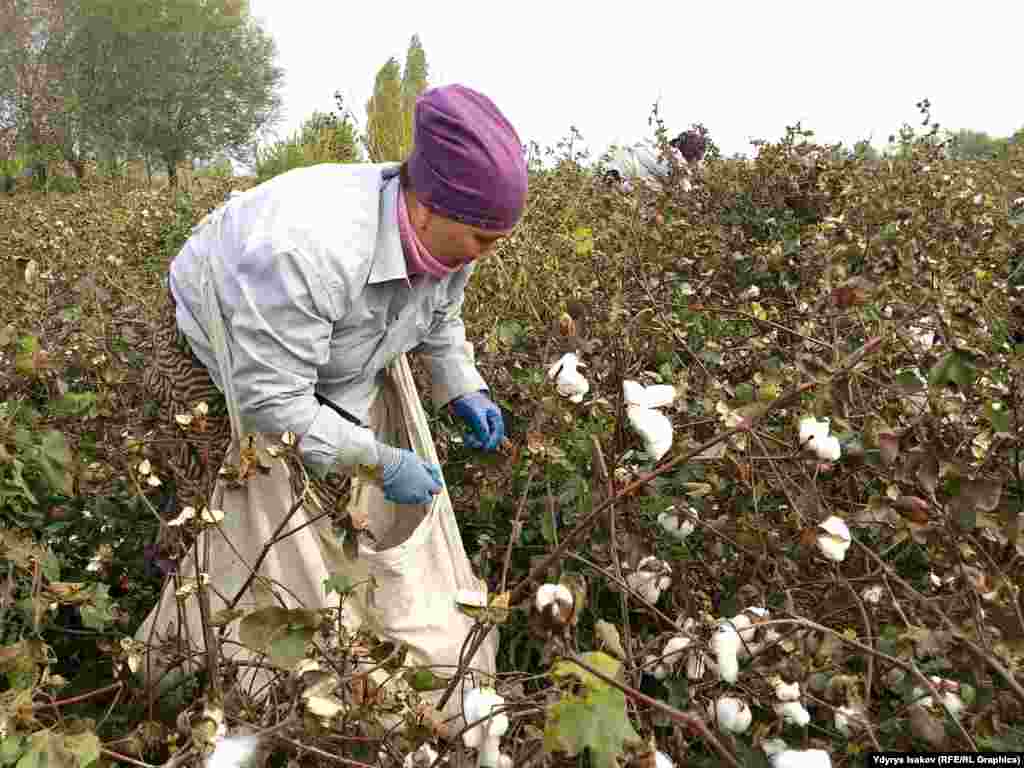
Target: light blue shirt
x,y
316,298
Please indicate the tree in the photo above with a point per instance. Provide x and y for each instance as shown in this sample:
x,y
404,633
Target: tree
x,y
32,36
414,82
384,130
390,111
180,78
976,145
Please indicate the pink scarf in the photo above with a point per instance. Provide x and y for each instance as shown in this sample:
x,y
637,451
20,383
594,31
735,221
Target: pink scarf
x,y
417,258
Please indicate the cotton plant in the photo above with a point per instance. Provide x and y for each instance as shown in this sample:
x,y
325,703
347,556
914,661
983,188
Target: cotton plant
x,y
653,426
569,382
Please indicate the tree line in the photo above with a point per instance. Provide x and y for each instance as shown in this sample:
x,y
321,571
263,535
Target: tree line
x,y
169,81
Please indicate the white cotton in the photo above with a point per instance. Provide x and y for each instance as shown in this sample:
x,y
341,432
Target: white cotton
x,y
793,712
650,579
811,429
780,756
949,698
726,644
829,449
557,594
661,760
675,525
873,594
233,752
421,758
814,437
569,382
744,626
848,719
731,714
484,737
673,651
652,425
787,691
835,540
654,429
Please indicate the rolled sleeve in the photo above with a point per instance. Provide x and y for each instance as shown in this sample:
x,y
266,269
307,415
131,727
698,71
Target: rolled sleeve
x,y
453,370
281,330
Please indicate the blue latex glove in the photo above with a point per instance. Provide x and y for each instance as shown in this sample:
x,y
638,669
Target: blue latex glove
x,y
483,418
406,478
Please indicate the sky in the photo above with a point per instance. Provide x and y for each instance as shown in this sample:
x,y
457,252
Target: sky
x,y
746,70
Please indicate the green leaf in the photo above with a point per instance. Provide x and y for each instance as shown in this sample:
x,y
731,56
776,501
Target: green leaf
x,y
998,417
46,750
422,679
288,648
602,662
76,404
510,332
597,722
957,368
338,582
909,382
85,747
25,358
55,461
583,237
281,633
11,749
745,392
96,613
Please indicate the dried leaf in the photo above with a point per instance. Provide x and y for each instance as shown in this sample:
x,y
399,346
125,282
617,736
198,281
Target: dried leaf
x,y
888,447
912,507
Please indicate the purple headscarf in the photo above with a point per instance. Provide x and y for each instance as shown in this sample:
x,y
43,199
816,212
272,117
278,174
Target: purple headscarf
x,y
467,163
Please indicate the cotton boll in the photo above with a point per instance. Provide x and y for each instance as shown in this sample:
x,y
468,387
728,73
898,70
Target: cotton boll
x,y
793,712
726,644
848,720
568,381
786,691
814,437
873,594
654,428
829,449
731,714
655,668
557,594
233,752
781,756
652,425
661,760
835,540
486,736
650,578
421,758
675,525
673,651
811,429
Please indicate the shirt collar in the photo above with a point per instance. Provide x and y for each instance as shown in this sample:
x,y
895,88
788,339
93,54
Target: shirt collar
x,y
388,258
